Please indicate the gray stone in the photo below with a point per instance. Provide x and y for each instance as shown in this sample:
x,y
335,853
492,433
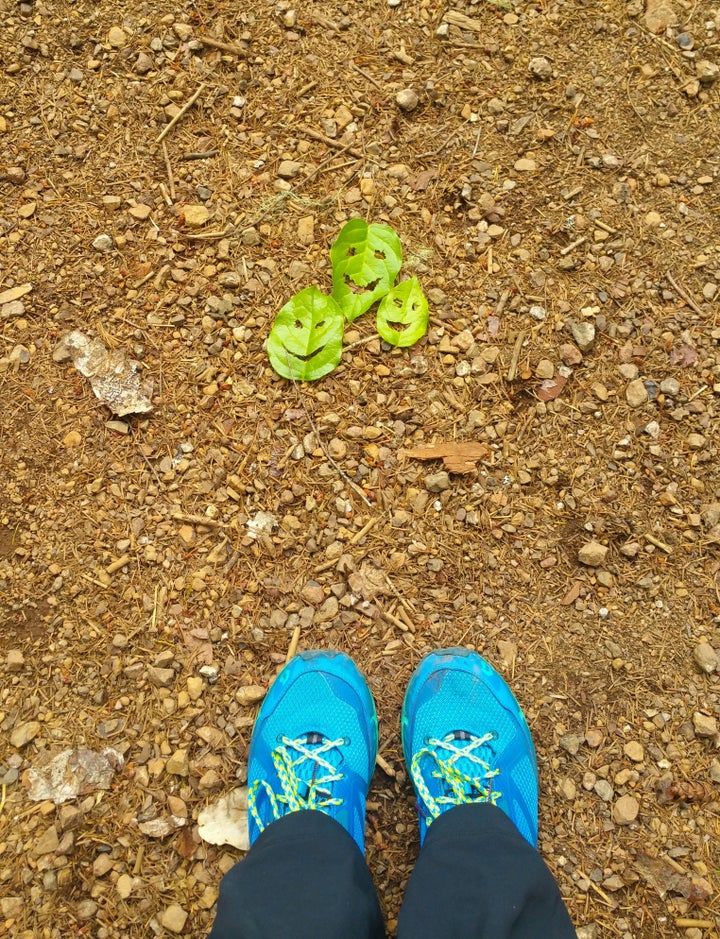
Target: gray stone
x,y
706,658
289,169
103,243
437,482
584,335
603,788
143,64
540,68
161,677
670,386
407,99
704,725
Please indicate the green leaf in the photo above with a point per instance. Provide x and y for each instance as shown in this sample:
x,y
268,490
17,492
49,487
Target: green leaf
x,y
305,341
363,256
402,317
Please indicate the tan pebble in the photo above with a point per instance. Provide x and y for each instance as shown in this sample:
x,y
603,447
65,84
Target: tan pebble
x,y
71,440
250,694
634,751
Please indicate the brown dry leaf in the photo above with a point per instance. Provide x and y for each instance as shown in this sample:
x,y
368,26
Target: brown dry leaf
x,y
572,594
423,180
458,457
369,582
683,355
551,388
684,791
661,875
185,843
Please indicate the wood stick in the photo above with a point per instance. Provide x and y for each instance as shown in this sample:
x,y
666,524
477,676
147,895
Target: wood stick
x,y
181,113
329,142
223,46
658,544
116,565
367,75
685,295
359,535
292,648
168,170
573,244
512,370
202,155
196,520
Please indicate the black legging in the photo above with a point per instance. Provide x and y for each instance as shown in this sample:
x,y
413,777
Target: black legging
x,y
476,878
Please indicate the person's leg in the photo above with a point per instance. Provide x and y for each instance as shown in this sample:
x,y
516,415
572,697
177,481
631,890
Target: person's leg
x,y
478,878
304,878
312,754
472,763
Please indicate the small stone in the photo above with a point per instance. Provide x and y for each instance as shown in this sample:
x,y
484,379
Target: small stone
x,y
636,393
570,743
437,482
706,658
670,386
306,230
625,810
11,907
634,751
715,771
103,243
183,31
117,37
46,843
653,219
251,237
594,737
289,169
174,918
86,909
14,660
696,441
584,335
143,64
570,354
407,99
544,369
525,165
111,203
685,41
195,215
75,76
178,764
704,724
124,886
540,68
194,687
160,677
662,180
568,789
250,694
707,72
592,554
603,789
140,211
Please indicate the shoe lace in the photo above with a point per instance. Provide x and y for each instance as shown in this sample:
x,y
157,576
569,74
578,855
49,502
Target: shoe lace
x,y
306,777
455,760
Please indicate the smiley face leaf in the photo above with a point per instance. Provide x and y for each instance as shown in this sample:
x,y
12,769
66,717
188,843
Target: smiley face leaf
x,y
402,317
305,341
365,261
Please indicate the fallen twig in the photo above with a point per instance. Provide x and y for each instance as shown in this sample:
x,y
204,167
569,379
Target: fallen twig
x,y
168,170
328,141
223,46
512,369
200,155
684,294
181,113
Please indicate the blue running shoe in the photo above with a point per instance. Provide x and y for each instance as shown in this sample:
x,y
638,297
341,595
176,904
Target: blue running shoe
x,y
314,744
465,739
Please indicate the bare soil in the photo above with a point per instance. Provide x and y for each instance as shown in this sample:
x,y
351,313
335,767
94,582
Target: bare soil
x,y
556,190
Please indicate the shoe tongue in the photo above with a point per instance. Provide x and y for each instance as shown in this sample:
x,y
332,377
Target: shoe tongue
x,y
313,738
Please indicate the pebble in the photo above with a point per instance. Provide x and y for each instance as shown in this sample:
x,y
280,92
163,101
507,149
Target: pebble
x,y
625,810
160,677
540,68
704,724
437,482
570,743
117,37
544,369
636,393
14,660
103,243
195,215
140,211
306,230
407,99
584,335
706,658
24,733
592,554
289,169
194,687
178,764
634,751
525,165
174,918
670,386
124,886
143,64
76,76
707,72
594,737
603,788
568,789
250,694
696,441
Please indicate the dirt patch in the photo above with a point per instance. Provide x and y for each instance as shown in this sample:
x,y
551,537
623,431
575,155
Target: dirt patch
x,y
555,191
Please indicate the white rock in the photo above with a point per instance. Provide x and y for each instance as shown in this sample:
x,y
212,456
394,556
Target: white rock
x,y
226,821
540,68
584,335
103,243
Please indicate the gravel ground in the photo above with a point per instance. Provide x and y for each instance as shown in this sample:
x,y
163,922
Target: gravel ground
x,y
169,177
